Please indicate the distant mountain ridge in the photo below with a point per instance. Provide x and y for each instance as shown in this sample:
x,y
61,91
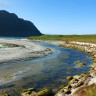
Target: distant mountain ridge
x,y
12,26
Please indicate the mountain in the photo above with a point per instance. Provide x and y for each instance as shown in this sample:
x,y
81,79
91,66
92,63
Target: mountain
x,y
12,26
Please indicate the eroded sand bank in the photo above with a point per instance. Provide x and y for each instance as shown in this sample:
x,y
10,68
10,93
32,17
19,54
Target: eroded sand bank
x,y
21,49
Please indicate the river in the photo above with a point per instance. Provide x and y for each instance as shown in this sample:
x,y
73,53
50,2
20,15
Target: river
x,y
48,72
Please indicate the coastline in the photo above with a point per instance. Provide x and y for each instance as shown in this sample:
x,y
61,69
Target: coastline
x,y
12,50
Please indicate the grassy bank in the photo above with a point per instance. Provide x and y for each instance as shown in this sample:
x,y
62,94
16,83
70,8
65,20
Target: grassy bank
x,y
87,91
81,38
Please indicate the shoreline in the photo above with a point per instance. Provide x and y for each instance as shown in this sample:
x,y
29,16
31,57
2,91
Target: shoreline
x,y
77,81
83,80
12,50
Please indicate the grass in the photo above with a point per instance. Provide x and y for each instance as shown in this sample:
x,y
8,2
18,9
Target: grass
x,y
87,91
7,77
9,45
81,38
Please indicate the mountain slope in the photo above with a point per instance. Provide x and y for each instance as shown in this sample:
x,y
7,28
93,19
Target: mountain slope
x,y
12,26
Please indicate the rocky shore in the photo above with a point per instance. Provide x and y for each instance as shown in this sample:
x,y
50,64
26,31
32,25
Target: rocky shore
x,y
77,83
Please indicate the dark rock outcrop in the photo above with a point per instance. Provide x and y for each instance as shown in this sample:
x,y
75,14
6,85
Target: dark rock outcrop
x,y
12,26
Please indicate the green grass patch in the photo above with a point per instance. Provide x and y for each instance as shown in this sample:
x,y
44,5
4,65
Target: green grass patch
x,y
81,38
7,77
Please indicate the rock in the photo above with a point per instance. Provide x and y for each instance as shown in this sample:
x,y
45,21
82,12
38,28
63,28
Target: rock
x,y
61,94
33,94
87,80
24,90
27,92
78,84
73,85
31,89
93,74
92,81
77,76
45,92
69,77
68,92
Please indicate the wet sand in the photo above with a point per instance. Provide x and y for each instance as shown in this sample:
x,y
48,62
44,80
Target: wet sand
x,y
21,49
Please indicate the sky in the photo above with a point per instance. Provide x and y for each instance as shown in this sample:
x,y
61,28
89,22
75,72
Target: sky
x,y
63,17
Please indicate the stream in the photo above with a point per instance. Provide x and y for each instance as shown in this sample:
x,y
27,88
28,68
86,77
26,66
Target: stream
x,y
48,72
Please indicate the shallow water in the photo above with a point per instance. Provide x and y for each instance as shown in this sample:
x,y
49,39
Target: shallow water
x,y
47,72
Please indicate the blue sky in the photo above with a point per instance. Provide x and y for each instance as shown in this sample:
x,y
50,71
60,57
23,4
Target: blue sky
x,y
56,16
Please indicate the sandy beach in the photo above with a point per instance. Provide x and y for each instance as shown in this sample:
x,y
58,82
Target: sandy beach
x,y
21,49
